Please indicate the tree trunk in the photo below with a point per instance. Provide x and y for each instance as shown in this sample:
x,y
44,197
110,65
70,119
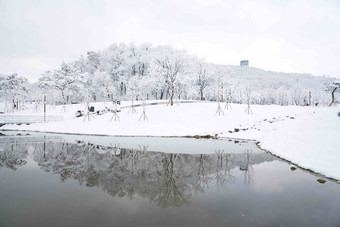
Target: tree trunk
x,y
333,98
162,93
172,97
14,105
63,96
167,93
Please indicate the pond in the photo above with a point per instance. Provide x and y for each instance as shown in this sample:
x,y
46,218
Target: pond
x,y
73,180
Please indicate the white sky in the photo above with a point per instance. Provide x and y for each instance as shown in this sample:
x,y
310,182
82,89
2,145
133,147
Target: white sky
x,y
280,35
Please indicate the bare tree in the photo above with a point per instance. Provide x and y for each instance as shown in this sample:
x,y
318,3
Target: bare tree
x,y
170,67
248,94
202,80
282,96
297,94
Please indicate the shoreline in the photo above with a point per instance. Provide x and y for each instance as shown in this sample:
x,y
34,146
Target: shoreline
x,y
207,137
307,137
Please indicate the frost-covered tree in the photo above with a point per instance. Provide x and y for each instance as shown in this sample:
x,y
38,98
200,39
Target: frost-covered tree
x,y
46,85
297,94
65,79
81,64
171,73
104,86
13,87
114,63
334,87
202,79
134,89
93,61
248,99
282,96
170,66
46,81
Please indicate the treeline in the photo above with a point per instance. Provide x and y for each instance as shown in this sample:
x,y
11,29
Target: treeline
x,y
126,72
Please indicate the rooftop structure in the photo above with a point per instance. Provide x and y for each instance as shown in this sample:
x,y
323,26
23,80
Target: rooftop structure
x,y
244,63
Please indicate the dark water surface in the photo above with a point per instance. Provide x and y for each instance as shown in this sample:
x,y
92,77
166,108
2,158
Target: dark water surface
x,y
63,180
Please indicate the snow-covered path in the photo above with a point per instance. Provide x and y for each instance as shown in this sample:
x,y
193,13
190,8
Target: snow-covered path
x,y
307,136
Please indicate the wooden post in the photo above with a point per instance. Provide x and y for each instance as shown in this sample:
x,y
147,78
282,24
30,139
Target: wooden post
x,y
310,97
115,112
227,104
219,109
144,114
132,108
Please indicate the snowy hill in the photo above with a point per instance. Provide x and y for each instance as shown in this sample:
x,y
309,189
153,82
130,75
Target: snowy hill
x,y
278,87
125,72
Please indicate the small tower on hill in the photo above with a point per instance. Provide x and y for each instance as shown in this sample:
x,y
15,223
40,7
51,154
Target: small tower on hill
x,y
244,63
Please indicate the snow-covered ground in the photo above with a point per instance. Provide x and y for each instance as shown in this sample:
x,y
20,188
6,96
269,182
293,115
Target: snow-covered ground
x,y
307,136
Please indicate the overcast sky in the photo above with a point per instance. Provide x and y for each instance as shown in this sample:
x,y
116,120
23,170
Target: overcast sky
x,y
280,35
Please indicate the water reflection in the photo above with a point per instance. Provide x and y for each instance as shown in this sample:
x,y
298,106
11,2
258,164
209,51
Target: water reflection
x,y
167,179
13,155
247,168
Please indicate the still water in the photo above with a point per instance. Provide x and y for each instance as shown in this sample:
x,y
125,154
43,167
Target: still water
x,y
64,180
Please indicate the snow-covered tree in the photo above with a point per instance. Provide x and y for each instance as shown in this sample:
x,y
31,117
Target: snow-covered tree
x,y
202,79
297,94
93,61
13,87
282,96
170,67
173,73
114,63
65,79
104,86
334,87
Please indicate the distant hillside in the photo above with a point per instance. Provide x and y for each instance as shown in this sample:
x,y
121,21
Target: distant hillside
x,y
266,79
146,72
269,83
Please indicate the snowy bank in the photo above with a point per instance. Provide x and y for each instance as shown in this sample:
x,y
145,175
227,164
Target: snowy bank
x,y
306,136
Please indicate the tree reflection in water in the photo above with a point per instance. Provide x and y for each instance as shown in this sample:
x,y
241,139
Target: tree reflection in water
x,y
164,178
13,155
248,170
173,190
223,176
